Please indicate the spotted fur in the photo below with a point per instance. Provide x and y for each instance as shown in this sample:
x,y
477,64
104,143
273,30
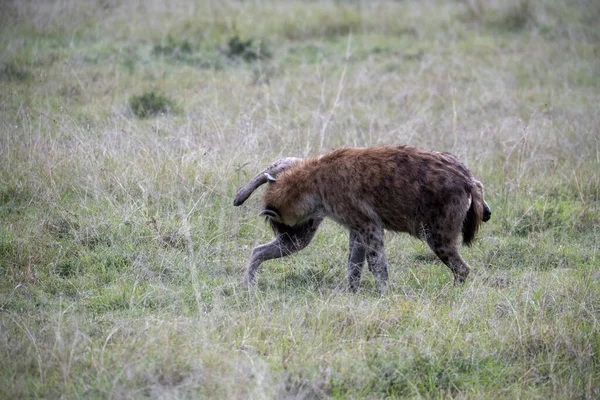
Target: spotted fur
x,y
429,195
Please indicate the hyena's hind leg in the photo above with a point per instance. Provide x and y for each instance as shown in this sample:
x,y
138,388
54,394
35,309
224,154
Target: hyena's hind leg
x,y
443,228
289,242
446,246
356,260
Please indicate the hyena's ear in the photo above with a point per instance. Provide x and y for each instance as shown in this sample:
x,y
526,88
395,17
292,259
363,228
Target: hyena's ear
x,y
268,174
270,178
269,212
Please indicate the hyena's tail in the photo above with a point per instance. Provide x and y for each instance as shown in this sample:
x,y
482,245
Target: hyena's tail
x,y
478,212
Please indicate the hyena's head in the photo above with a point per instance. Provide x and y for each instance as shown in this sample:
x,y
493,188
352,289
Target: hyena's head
x,y
286,202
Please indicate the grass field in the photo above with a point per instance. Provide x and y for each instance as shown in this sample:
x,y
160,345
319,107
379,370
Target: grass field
x,y
126,128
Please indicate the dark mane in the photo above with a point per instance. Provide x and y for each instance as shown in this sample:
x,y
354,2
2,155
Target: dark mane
x,y
283,229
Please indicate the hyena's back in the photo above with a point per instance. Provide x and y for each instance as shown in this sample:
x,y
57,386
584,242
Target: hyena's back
x,y
407,189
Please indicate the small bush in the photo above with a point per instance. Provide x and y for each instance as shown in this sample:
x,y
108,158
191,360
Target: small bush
x,y
513,15
150,104
14,72
172,47
14,199
248,50
61,226
518,15
323,23
182,50
66,269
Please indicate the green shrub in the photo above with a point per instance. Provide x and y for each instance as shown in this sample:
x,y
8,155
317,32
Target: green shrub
x,y
66,269
518,15
322,23
512,15
172,47
248,50
150,104
13,72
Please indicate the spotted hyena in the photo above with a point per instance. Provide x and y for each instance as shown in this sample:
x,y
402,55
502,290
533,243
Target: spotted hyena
x,y
429,195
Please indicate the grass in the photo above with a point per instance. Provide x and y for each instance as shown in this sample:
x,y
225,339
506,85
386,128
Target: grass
x,y
121,256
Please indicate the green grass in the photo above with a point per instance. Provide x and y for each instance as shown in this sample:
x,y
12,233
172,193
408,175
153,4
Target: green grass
x,y
121,255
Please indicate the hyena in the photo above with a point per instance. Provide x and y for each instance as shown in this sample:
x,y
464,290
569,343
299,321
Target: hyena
x,y
429,195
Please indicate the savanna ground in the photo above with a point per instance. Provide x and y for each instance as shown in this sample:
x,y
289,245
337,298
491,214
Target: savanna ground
x,y
126,127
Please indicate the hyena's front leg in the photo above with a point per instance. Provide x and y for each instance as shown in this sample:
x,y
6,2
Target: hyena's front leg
x,y
285,244
356,259
372,238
